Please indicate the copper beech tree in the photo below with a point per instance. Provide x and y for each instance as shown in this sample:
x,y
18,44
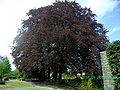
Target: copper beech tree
x,y
59,38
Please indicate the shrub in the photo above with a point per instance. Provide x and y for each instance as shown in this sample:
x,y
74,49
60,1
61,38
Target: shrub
x,y
98,83
2,82
83,84
86,84
74,82
5,78
89,83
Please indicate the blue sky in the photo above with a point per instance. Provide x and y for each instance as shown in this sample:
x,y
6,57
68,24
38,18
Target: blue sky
x,y
111,22
13,11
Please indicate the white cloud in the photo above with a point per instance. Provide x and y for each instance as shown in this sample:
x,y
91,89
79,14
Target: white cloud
x,y
100,7
115,29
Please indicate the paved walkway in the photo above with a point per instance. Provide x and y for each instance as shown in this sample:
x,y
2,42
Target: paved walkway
x,y
34,88
37,86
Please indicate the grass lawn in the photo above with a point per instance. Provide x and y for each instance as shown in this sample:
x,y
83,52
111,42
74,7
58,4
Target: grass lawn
x,y
13,84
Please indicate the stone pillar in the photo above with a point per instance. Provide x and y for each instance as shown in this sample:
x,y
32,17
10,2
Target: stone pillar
x,y
107,75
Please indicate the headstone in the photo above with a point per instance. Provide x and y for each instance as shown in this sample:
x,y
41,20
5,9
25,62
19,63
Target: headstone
x,y
107,75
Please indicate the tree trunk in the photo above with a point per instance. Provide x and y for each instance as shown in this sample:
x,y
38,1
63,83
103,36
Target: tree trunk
x,y
60,74
48,77
42,76
55,74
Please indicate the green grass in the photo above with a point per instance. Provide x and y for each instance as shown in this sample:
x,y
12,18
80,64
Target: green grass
x,y
13,84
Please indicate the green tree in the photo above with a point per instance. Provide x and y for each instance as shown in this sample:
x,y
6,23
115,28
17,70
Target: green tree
x,y
113,53
16,74
1,69
5,66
